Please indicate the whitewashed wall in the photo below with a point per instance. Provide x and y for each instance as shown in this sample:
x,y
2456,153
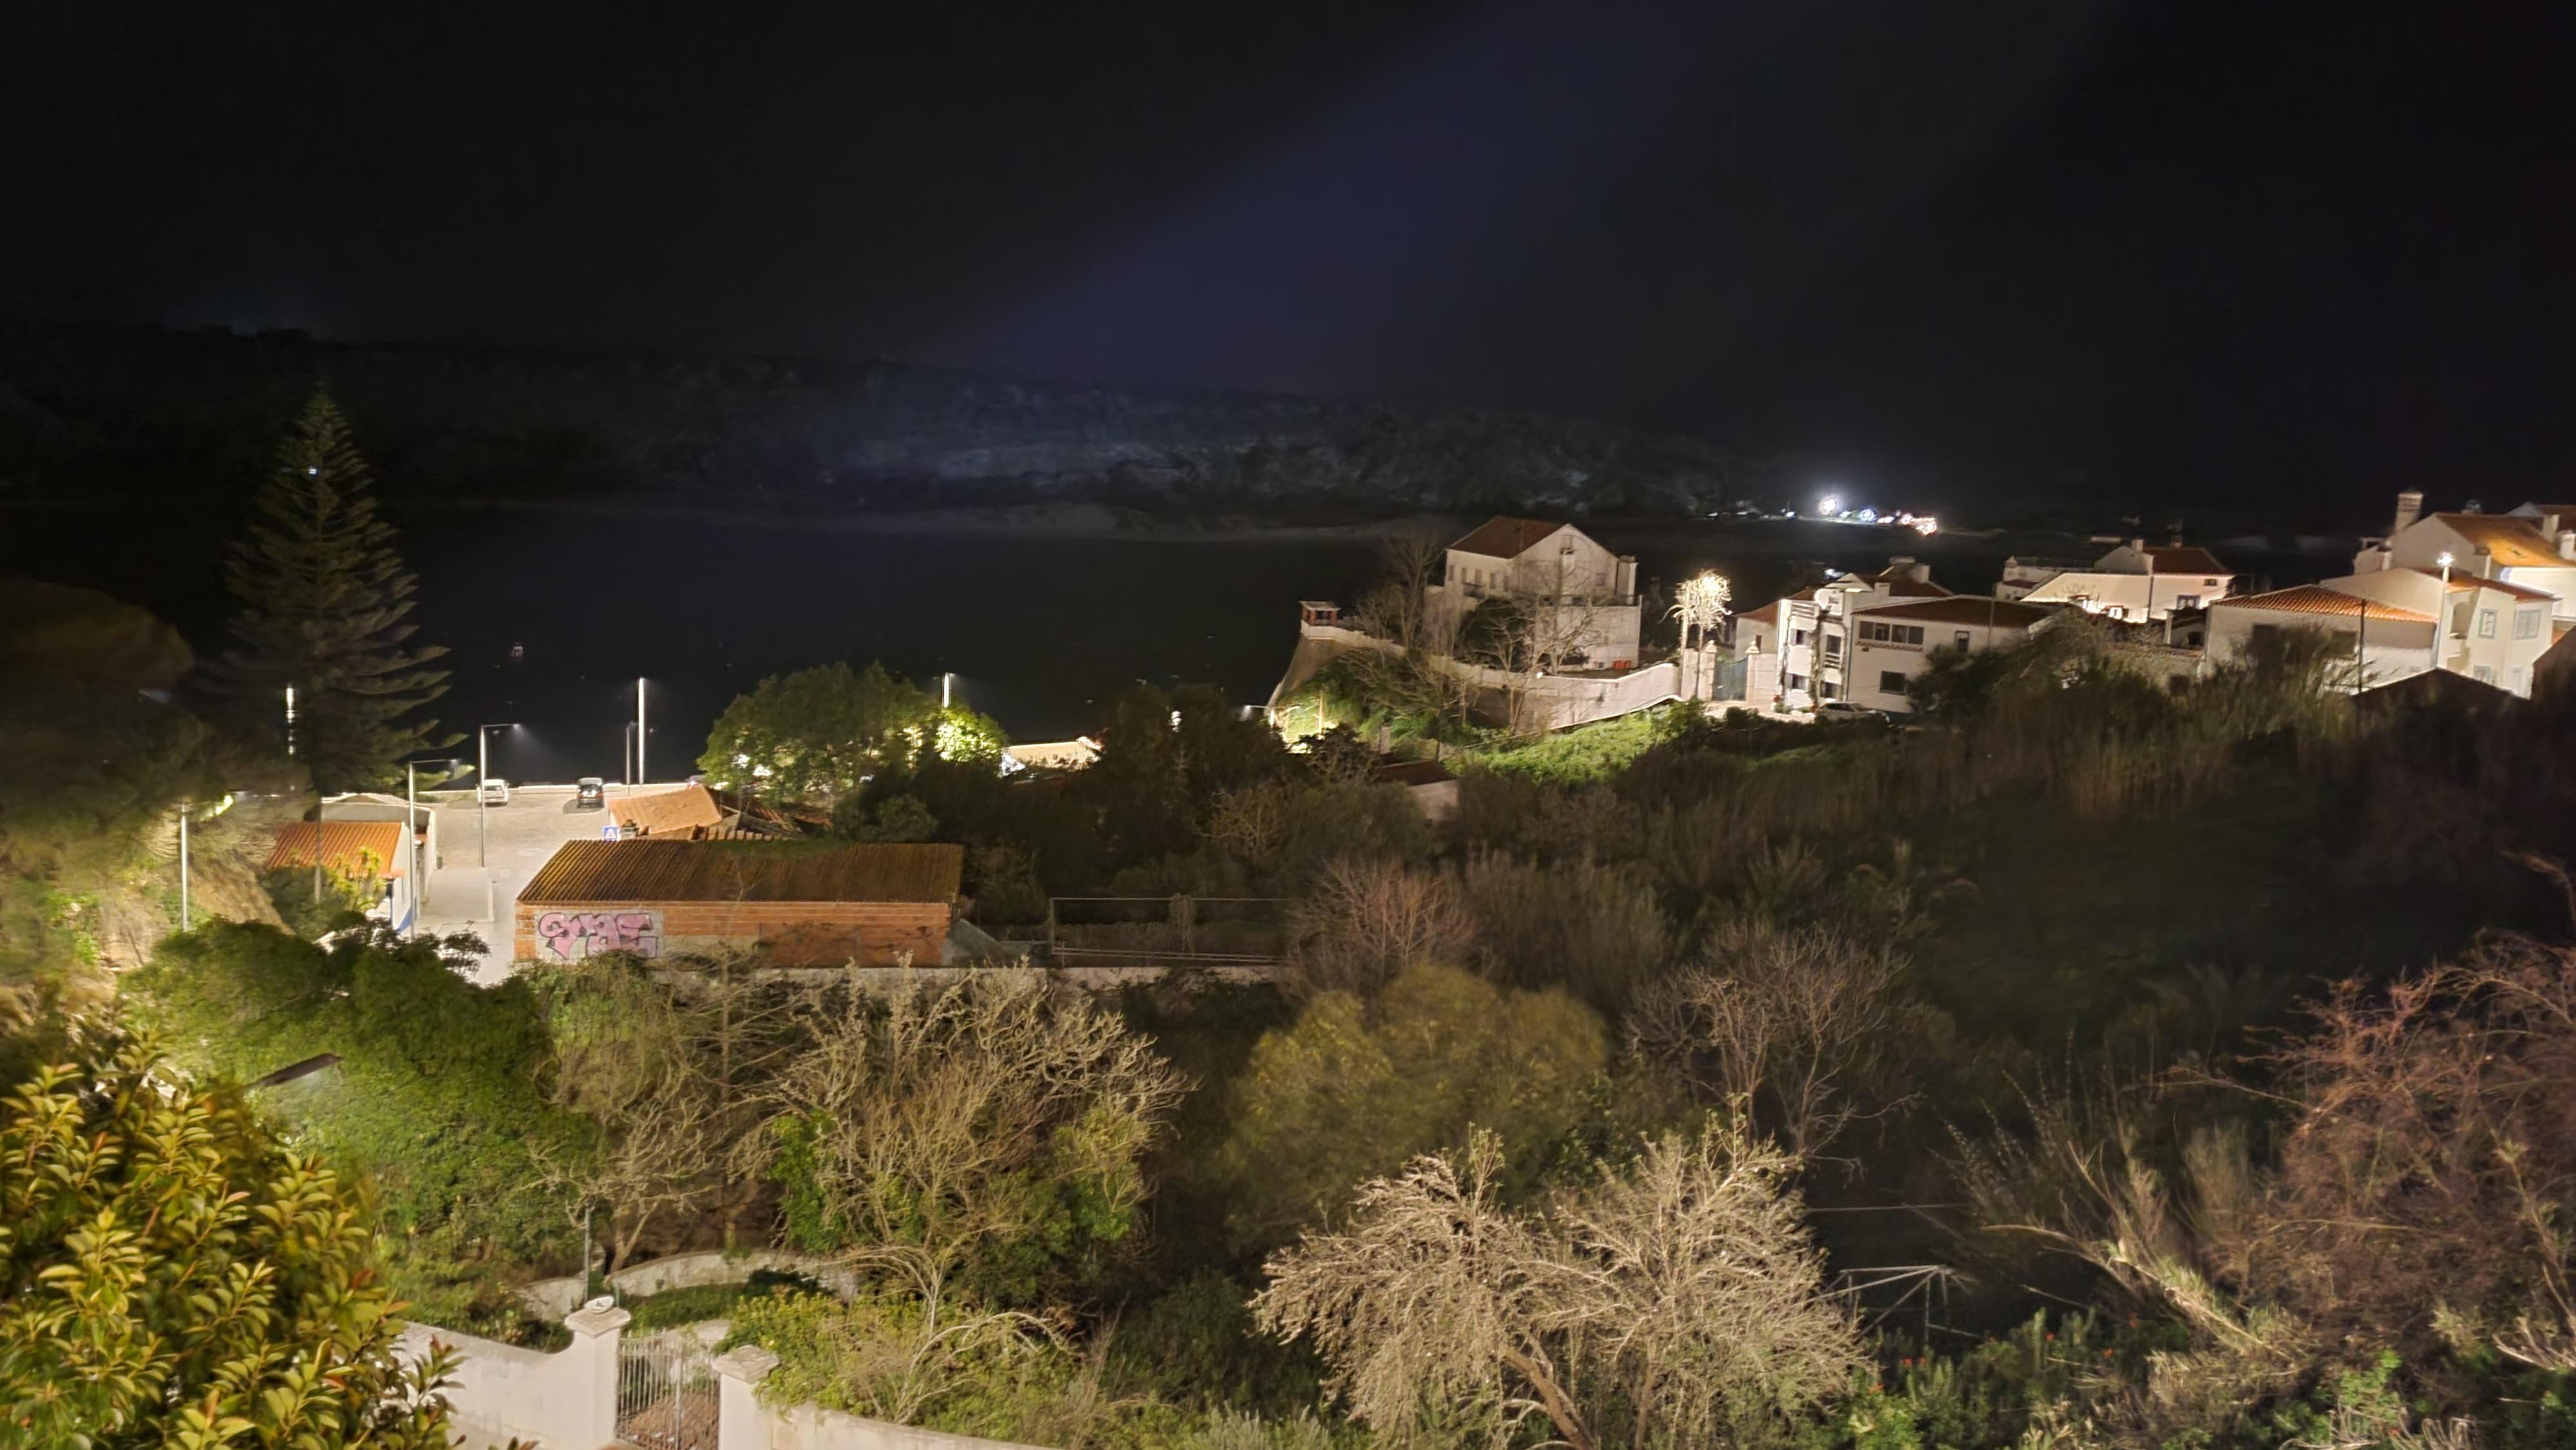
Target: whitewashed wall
x,y
561,1401
744,1423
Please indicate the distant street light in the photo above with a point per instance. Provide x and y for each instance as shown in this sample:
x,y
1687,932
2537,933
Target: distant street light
x,y
483,805
1831,506
2444,559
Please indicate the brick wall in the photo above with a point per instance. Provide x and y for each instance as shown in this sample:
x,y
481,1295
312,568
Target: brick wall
x,y
799,933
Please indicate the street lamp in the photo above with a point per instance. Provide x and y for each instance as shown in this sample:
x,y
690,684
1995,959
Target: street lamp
x,y
483,805
639,730
411,830
221,806
2444,559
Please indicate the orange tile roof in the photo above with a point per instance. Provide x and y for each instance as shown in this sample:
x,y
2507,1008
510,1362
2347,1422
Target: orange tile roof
x,y
2509,541
2460,581
1767,614
744,870
2316,599
1962,609
668,812
356,849
2184,559
1505,537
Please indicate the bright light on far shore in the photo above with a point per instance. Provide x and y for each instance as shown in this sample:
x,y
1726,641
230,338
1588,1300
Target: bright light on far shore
x,y
1831,505
1924,524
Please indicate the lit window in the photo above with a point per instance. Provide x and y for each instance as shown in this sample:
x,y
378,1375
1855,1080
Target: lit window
x,y
2187,601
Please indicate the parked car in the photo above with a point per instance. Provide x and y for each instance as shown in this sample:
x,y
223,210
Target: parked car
x,y
1846,710
591,794
494,792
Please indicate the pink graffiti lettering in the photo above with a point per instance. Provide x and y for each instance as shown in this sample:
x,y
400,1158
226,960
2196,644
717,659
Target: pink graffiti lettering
x,y
569,936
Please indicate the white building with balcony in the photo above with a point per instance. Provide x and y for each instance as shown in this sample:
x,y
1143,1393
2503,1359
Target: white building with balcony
x,y
2534,547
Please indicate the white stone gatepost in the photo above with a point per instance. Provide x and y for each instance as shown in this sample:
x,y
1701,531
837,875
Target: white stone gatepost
x,y
741,1423
587,1415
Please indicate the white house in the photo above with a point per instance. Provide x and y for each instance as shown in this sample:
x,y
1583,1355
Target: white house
x,y
1582,598
1890,642
2387,641
1794,649
2487,629
2534,546
2136,581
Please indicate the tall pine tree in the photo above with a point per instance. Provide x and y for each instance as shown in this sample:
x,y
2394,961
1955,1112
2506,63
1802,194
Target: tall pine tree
x,y
323,597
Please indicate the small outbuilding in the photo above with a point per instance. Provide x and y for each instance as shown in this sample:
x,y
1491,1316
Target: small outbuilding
x,y
801,903
370,856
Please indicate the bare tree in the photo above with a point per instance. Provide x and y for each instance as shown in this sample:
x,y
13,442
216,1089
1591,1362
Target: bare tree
x,y
1679,1302
926,1114
1368,920
1789,1020
624,1057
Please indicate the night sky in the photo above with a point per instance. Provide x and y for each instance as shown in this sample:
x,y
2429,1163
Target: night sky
x,y
2293,249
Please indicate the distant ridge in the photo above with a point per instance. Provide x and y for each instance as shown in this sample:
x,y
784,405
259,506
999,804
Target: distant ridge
x,y
91,413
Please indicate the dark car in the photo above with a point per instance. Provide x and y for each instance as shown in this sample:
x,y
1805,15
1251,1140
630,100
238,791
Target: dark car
x,y
590,794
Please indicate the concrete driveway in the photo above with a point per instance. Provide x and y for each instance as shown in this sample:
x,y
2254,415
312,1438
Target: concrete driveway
x,y
523,837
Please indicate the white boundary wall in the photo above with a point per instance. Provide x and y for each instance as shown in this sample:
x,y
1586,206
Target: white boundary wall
x,y
1552,702
562,1401
744,1423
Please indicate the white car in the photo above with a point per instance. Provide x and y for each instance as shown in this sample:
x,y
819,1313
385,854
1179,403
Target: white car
x,y
494,793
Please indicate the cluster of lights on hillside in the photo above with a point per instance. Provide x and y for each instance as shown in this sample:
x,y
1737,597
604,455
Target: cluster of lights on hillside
x,y
1830,509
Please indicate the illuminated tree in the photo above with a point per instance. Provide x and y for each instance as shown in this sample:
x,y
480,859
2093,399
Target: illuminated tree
x,y
1700,604
169,1275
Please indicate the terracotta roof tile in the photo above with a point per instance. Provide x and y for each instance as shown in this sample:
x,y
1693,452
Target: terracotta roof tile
x,y
2316,599
1962,609
2507,540
744,870
354,849
1767,614
1505,537
2184,559
668,812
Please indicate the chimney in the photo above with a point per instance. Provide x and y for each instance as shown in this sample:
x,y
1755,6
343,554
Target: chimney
x,y
2567,543
1625,579
2410,507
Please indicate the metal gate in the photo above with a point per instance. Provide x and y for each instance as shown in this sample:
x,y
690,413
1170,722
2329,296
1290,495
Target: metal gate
x,y
666,1391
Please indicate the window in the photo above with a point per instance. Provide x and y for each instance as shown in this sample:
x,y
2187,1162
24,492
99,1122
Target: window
x,y
2116,611
2186,601
2526,623
1960,639
1833,646
1824,689
1793,682
1797,636
2486,624
1913,634
2517,679
2483,672
1891,682
1891,633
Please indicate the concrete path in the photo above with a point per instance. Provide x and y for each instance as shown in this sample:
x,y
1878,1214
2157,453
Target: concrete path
x,y
523,837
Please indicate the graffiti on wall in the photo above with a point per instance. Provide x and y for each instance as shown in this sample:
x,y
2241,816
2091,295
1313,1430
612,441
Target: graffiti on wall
x,y
569,936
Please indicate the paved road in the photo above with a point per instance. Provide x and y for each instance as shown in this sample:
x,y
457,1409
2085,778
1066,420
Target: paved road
x,y
524,835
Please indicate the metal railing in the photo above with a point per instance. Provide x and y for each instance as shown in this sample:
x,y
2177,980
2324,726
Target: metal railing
x,y
1242,931
667,1394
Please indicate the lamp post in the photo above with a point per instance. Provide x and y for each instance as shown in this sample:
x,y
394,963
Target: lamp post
x,y
411,832
221,806
639,730
483,805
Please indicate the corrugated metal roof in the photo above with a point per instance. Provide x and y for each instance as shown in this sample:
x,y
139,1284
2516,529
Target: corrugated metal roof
x,y
650,870
1504,537
350,848
2313,599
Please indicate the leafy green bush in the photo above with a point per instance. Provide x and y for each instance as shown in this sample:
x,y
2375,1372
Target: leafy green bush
x,y
170,1274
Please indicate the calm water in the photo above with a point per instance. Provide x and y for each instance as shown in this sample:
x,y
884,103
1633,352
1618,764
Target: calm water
x,y
1040,630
